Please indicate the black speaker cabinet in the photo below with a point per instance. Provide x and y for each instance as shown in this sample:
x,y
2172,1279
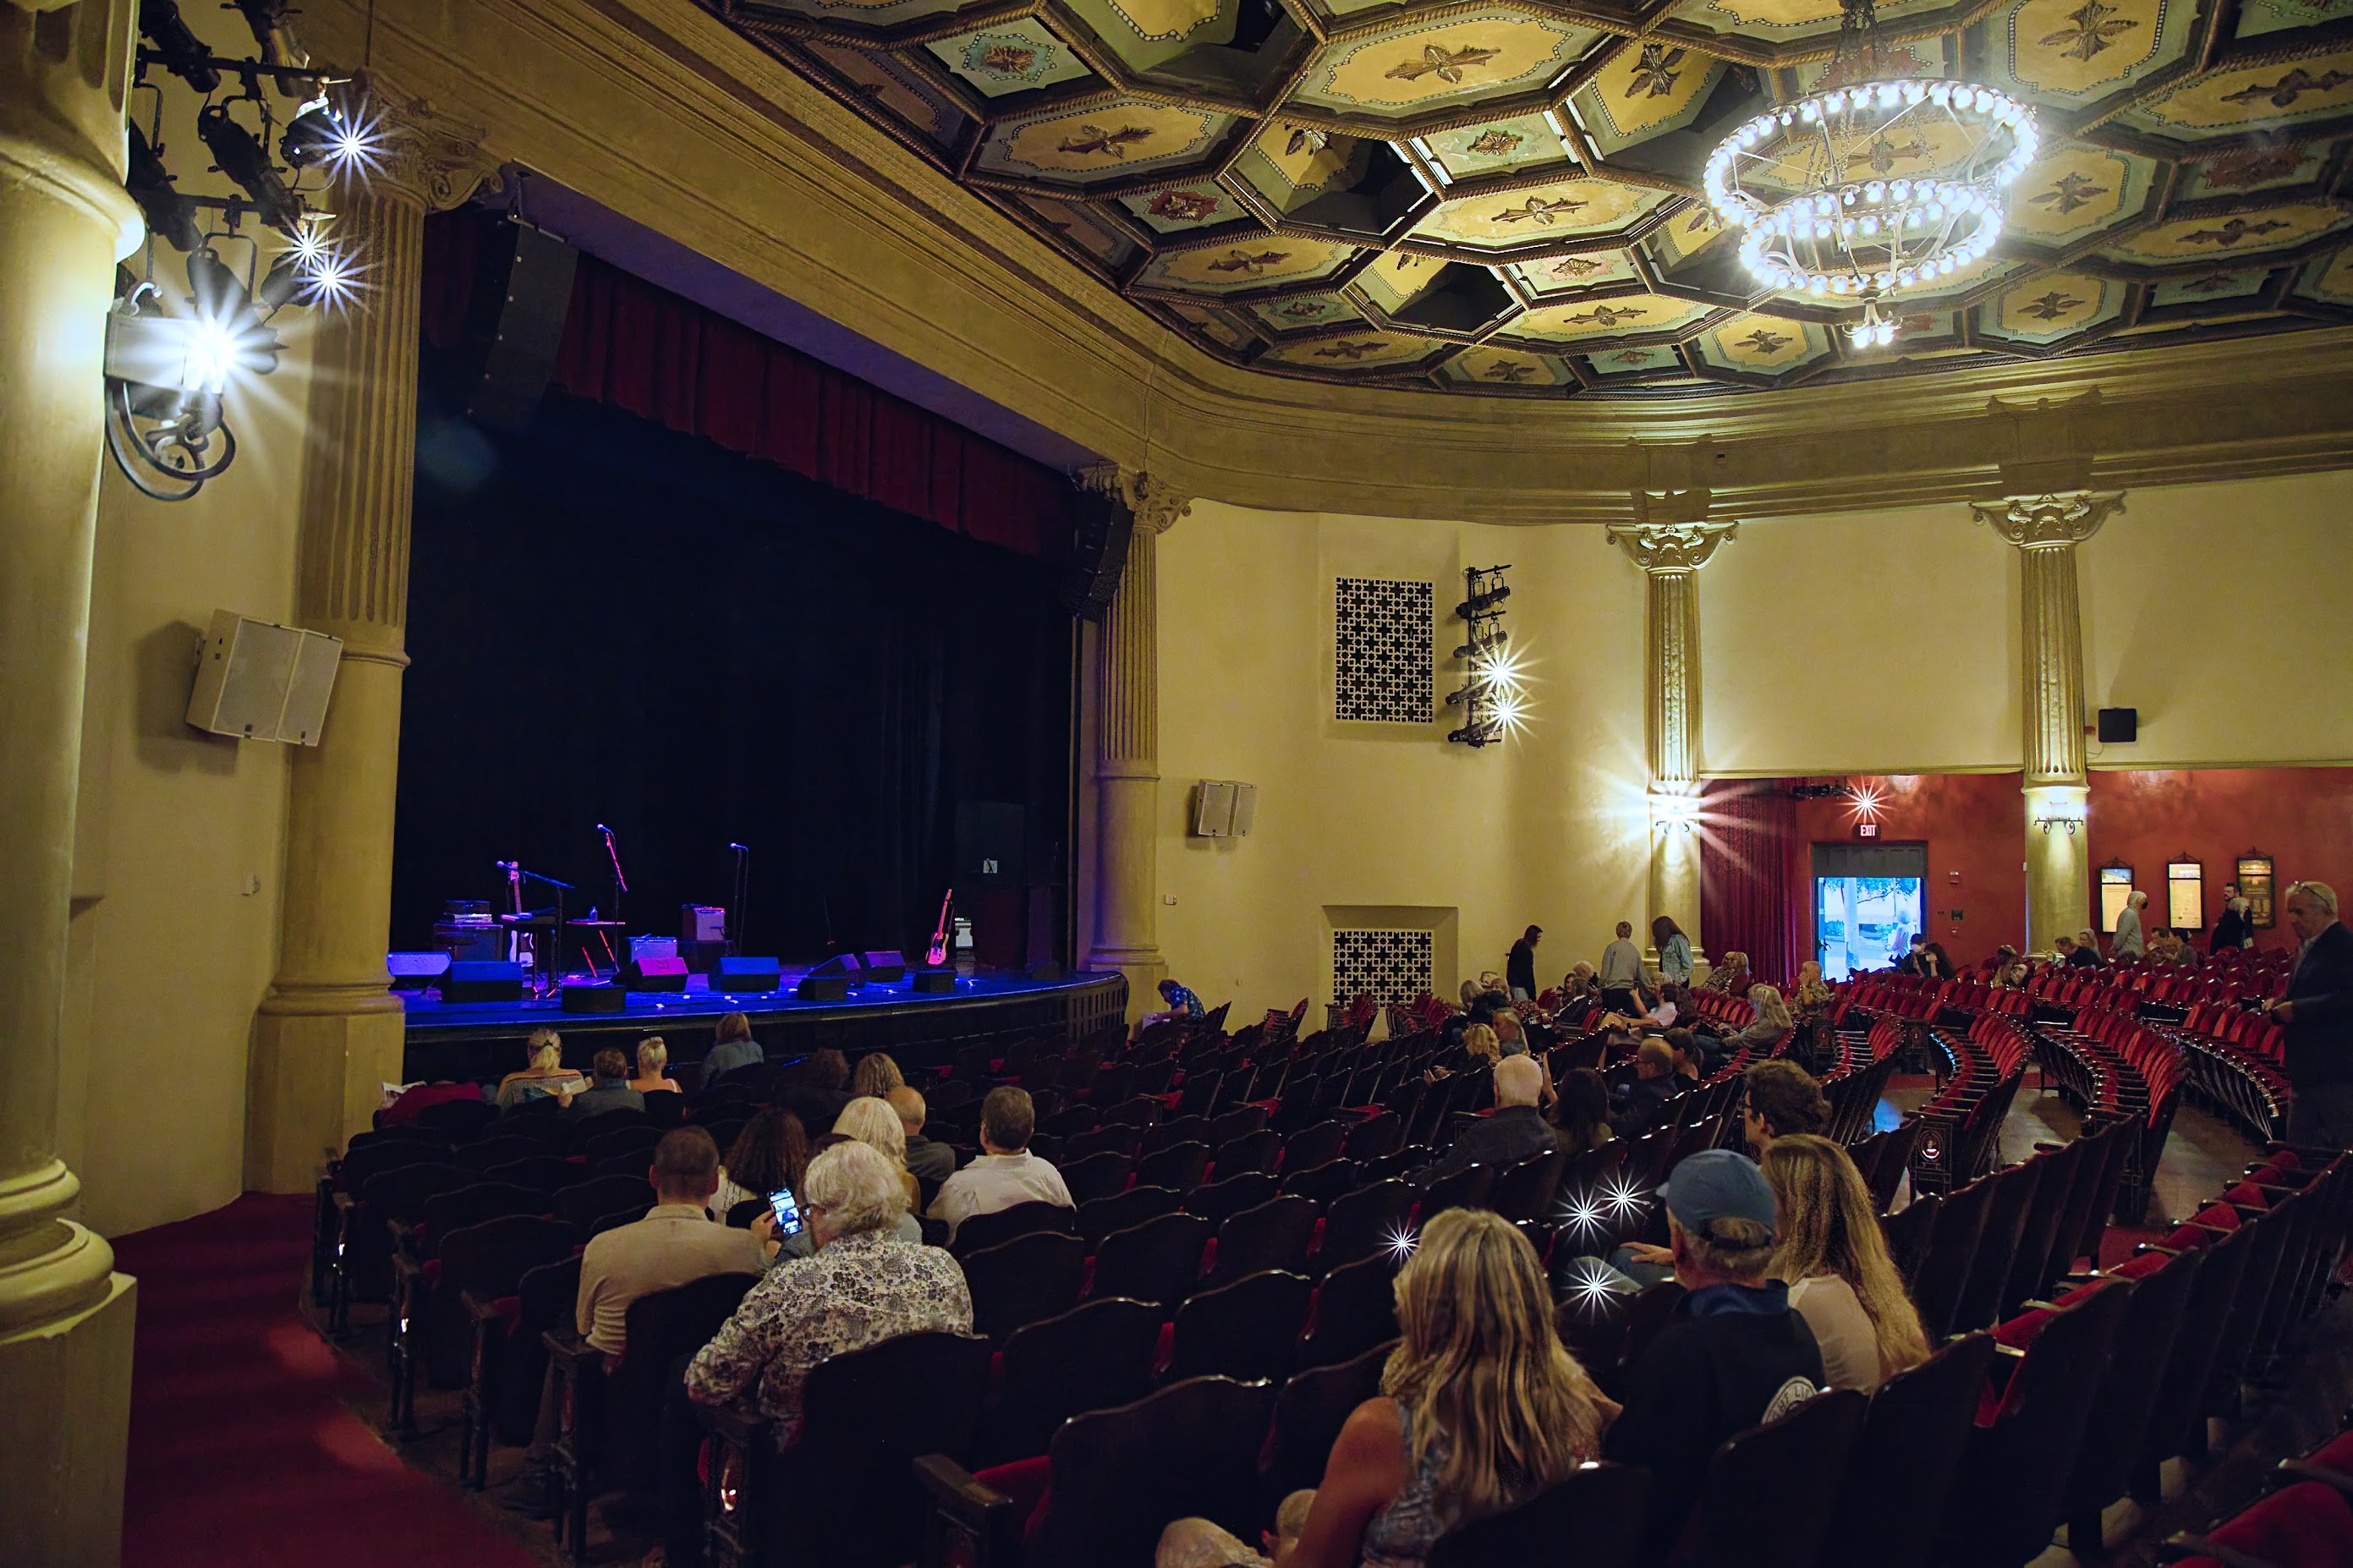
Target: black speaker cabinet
x,y
483,983
883,963
595,999
2119,725
655,974
1046,969
521,297
935,981
746,974
815,987
839,964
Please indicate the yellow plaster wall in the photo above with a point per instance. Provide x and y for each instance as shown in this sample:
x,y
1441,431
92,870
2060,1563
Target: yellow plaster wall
x,y
1861,642
1546,829
2218,611
177,861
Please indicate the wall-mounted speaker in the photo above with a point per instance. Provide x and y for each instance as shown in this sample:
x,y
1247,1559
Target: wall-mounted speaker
x,y
1223,809
1098,553
2119,725
261,681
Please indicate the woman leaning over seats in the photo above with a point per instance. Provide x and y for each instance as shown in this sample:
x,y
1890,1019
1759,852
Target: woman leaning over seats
x,y
1482,1407
1841,1277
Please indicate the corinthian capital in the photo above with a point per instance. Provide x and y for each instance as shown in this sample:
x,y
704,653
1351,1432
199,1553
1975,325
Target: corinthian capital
x,y
420,157
2049,522
1156,504
1669,547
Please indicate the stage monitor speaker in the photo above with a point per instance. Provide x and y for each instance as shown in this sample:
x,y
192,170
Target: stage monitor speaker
x,y
746,974
416,971
2119,725
935,982
1048,970
843,964
652,973
1098,549
261,681
815,987
884,964
522,295
989,836
483,983
595,999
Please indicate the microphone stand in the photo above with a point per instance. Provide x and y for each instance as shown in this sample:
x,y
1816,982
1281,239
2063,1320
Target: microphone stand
x,y
620,883
548,956
740,918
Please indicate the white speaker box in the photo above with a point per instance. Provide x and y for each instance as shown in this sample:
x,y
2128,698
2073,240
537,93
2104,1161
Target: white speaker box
x,y
1245,808
1223,809
261,681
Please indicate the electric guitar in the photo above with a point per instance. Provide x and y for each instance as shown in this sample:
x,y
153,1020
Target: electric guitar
x,y
939,953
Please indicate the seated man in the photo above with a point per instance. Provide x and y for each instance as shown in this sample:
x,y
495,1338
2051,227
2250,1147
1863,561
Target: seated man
x,y
1782,1099
1733,1355
1517,1132
611,1089
1638,1104
930,1160
864,1285
676,1244
1006,1173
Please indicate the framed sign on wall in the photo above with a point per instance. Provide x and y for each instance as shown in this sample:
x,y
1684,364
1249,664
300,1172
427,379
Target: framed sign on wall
x,y
2185,894
2255,886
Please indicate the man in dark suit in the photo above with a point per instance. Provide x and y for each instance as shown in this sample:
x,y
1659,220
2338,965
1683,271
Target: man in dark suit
x,y
2317,1014
1517,1132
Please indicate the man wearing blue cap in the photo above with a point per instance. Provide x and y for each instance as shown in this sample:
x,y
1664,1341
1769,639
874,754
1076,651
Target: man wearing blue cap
x,y
1734,1355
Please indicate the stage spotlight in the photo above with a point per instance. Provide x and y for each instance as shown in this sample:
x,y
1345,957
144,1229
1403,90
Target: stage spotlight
x,y
165,373
267,20
320,135
1484,647
171,215
242,158
1480,604
177,49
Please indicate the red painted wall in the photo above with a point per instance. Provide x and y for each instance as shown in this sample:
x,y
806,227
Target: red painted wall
x,y
2302,817
1971,824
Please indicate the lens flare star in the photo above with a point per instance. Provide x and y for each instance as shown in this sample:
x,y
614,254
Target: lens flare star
x,y
1400,1243
1590,1284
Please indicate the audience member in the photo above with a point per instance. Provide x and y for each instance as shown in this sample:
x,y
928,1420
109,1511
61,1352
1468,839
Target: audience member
x,y
2165,946
876,1125
610,1091
1639,1102
1179,1002
1577,988
931,1160
815,1091
1772,1024
1733,1355
2084,952
2009,971
1691,1057
2318,1015
767,1157
732,1046
1782,1099
1674,951
1731,976
1480,1049
1520,965
1814,998
546,1076
876,1074
413,1101
862,1286
1833,1256
1622,971
2128,941
1581,1113
1481,1406
653,1068
1006,1173
1517,1130
2234,930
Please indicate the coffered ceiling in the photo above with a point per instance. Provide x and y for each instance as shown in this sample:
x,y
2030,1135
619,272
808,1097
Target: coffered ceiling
x,y
1498,197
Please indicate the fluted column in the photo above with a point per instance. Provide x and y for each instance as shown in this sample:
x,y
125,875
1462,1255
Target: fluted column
x,y
330,1033
66,1316
2046,528
1127,749
1671,539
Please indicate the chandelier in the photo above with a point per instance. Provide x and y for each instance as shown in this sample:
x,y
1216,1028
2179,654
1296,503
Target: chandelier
x,y
1874,184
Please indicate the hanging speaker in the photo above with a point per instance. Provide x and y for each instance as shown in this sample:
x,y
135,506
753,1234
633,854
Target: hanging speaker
x,y
522,295
1098,554
261,681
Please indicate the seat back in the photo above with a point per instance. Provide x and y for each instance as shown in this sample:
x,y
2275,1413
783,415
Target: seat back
x,y
1155,1261
1122,1476
1326,1181
1125,1212
983,1231
473,1205
1944,1270
1249,1329
1600,1507
1465,1189
1899,1480
1356,1309
606,1142
1907,1232
462,1120
1312,1146
2146,1331
1788,1471
1360,1223
1525,1190
1024,1280
1308,1415
1095,1356
1180,1167
1101,1174
2197,1344
2303,1526
582,1205
1895,1161
2029,1266
1997,1248
659,1329
1257,1151
1219,1202
1274,1235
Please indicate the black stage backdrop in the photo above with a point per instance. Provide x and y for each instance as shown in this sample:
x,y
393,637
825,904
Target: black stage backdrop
x,y
609,622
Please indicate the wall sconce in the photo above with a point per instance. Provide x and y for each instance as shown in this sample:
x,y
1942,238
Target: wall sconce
x,y
2070,823
1674,813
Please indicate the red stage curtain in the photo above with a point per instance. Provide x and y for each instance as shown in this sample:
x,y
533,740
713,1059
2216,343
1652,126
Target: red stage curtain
x,y
1751,896
663,358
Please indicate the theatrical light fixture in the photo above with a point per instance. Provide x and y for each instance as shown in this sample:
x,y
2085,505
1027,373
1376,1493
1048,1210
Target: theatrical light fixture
x,y
1490,696
2070,823
1674,813
1866,802
1873,184
242,156
171,216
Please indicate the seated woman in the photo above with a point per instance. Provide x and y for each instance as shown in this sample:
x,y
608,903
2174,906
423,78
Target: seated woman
x,y
876,1074
1731,976
873,1123
546,1075
1481,1407
2009,971
1831,1252
1481,1048
1772,1025
1582,1112
732,1046
653,1068
768,1156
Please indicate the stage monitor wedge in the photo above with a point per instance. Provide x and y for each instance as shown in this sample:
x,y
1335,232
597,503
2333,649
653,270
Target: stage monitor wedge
x,y
884,964
936,982
483,983
595,999
815,987
652,973
744,975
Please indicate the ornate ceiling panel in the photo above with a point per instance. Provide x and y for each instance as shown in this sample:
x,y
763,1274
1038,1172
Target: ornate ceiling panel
x,y
1496,198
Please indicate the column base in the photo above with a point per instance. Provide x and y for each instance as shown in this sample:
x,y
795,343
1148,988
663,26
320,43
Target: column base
x,y
316,1077
1145,969
65,1414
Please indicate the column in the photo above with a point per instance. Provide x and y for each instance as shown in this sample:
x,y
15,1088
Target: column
x,y
66,1317
330,1033
2046,528
1127,748
1671,539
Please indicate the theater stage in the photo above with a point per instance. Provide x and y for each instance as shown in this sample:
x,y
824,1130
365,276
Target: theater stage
x,y
484,1039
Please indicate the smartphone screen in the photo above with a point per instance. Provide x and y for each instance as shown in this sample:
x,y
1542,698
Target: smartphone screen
x,y
787,1212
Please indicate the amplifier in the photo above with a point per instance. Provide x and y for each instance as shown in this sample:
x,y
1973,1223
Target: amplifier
x,y
815,987
483,983
701,922
736,975
595,999
652,974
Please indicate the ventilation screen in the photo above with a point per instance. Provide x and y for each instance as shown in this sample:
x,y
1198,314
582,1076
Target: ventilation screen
x,y
1386,965
1383,672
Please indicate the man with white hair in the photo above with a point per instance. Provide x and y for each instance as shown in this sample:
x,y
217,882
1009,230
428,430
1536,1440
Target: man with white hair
x,y
2318,1015
2128,941
1517,1132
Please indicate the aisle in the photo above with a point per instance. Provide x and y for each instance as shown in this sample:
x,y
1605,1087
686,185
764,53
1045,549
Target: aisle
x,y
243,1451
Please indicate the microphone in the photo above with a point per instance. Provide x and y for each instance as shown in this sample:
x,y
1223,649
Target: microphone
x,y
745,848
602,828
508,866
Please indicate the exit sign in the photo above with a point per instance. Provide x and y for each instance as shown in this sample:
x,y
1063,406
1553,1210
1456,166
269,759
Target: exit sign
x,y
1866,830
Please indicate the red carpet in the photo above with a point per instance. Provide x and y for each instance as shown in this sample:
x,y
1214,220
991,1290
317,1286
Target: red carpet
x,y
242,1451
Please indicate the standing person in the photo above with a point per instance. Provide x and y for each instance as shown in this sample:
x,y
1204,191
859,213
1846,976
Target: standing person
x,y
2234,930
1622,971
2129,941
2317,1014
1006,1173
1520,965
1674,951
1835,1262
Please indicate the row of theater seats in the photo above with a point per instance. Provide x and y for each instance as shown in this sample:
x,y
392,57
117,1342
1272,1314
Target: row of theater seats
x,y
2307,1522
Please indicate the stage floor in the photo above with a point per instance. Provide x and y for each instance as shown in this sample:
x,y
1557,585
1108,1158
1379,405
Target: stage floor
x,y
429,1016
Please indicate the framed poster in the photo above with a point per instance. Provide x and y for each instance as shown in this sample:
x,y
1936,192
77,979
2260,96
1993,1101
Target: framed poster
x,y
2185,895
2115,887
2255,873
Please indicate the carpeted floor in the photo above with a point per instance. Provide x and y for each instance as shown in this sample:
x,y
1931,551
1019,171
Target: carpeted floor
x,y
244,1450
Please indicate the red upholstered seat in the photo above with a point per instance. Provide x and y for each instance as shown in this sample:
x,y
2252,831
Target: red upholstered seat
x,y
2309,1525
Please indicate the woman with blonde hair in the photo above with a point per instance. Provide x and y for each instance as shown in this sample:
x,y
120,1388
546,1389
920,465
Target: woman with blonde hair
x,y
1481,1407
546,1076
653,1068
873,1123
1835,1262
876,1074
1772,1024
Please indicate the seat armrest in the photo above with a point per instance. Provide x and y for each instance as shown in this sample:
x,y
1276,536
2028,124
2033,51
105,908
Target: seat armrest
x,y
970,1524
404,1235
573,1356
732,1423
2182,1545
2298,1469
479,1312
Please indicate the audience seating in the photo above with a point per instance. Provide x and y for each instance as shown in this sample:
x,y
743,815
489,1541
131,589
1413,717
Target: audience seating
x,y
1772,1491
1601,1510
1022,1282
1249,1329
1904,1466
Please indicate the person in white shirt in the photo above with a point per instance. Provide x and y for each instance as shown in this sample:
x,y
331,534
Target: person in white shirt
x,y
1832,1256
1006,1173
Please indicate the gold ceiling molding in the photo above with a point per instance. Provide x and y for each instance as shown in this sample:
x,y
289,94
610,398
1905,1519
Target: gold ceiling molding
x,y
657,111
